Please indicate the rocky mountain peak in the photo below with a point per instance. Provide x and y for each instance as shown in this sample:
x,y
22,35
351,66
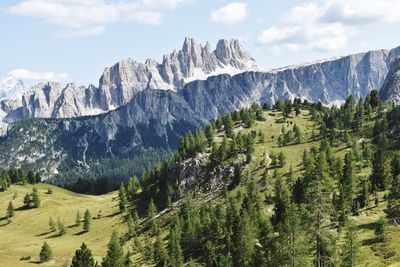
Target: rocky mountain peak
x,y
194,61
11,88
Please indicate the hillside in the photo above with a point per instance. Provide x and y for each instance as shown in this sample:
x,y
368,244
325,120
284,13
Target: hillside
x,y
247,186
30,228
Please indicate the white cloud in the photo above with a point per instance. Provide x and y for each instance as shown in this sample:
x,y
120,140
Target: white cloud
x,y
361,12
25,74
146,17
90,17
170,4
230,14
88,31
326,26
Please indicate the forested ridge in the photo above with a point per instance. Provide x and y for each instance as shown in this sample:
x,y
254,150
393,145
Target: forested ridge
x,y
297,184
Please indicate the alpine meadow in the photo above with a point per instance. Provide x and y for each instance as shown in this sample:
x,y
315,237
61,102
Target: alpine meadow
x,y
207,157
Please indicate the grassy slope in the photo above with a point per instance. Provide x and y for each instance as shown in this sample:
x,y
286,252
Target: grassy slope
x,y
29,229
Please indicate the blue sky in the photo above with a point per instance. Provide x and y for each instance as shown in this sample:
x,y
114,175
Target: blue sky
x,y
74,40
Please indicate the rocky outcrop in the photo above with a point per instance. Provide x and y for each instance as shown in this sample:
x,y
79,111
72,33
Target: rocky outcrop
x,y
391,88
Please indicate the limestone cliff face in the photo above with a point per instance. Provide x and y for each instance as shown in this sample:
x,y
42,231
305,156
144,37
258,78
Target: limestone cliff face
x,y
391,88
119,83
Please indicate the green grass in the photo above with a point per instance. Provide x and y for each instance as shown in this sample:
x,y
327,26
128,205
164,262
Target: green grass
x,y
28,230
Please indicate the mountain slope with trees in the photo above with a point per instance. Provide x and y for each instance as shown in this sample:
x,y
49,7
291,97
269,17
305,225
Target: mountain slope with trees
x,y
296,185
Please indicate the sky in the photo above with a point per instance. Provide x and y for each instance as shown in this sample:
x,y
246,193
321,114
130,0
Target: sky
x,y
74,40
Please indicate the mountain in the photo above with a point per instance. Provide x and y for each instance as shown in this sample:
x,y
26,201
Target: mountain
x,y
12,88
119,83
150,123
149,126
391,88
328,81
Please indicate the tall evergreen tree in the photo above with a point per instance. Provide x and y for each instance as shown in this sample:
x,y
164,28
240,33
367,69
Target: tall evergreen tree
x,y
378,175
46,254
10,209
243,240
87,221
160,253
151,216
381,229
175,250
350,248
83,257
78,218
35,198
122,198
320,207
228,124
115,253
61,228
347,184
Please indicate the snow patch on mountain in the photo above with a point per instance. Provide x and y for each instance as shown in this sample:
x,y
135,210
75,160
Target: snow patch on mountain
x,y
12,88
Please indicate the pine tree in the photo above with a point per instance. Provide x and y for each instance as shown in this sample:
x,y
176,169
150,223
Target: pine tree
x,y
133,187
320,207
292,244
378,175
61,228
347,184
381,229
228,125
237,175
52,225
151,216
175,250
374,99
38,179
115,253
264,178
27,201
31,177
35,198
297,134
350,248
282,159
131,227
127,261
78,218
122,198
46,254
10,210
243,240
209,132
83,257
160,253
87,221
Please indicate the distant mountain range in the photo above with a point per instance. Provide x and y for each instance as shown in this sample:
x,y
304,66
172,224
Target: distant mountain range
x,y
141,108
121,82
